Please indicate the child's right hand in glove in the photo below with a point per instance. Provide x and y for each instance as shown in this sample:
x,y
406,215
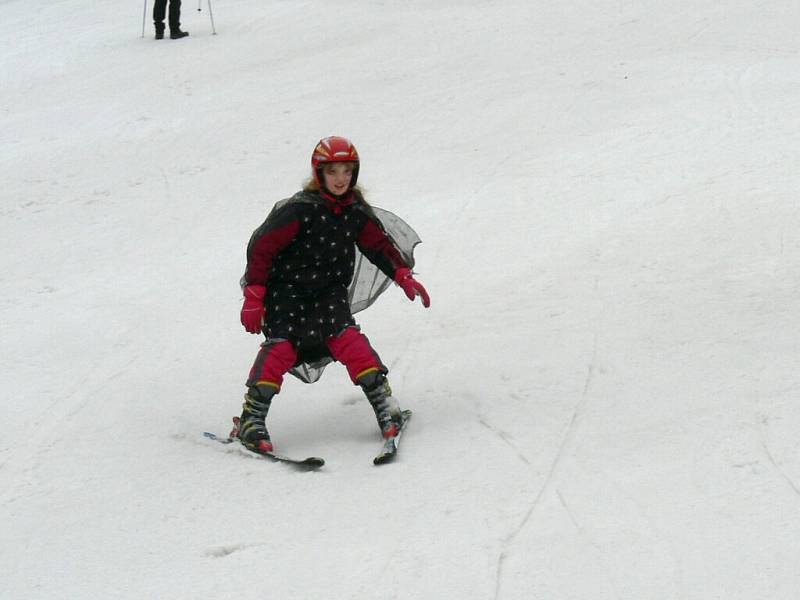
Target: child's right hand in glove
x,y
253,310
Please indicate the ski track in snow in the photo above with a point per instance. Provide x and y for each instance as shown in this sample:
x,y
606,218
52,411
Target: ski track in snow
x,y
506,439
776,465
581,532
567,440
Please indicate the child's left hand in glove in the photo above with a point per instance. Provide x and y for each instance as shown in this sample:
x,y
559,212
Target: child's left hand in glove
x,y
411,286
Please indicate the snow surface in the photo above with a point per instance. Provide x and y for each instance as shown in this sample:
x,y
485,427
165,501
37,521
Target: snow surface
x,y
605,387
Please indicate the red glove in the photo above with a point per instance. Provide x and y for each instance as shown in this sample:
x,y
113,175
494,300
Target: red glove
x,y
253,309
411,286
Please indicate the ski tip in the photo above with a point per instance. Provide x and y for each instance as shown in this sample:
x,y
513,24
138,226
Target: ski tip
x,y
310,463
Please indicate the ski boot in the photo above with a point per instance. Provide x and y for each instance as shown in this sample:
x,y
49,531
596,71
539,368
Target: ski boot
x,y
176,34
379,394
159,30
250,428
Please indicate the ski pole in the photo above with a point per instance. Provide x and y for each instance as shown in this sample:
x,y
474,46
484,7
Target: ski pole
x,y
144,16
199,5
211,14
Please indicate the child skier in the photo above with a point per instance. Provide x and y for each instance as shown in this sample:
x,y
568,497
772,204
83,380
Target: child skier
x,y
300,263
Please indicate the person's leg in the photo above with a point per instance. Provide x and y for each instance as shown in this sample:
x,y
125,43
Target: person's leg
x,y
274,360
353,350
159,12
266,377
175,20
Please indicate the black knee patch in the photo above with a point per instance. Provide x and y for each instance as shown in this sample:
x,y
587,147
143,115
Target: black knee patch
x,y
372,380
261,392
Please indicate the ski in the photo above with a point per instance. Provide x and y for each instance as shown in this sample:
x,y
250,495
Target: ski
x,y
312,462
391,445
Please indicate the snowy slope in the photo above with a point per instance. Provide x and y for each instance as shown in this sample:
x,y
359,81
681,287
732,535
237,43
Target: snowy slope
x,y
605,386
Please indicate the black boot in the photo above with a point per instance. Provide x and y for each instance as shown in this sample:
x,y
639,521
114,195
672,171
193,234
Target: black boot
x,y
379,394
176,34
252,429
159,31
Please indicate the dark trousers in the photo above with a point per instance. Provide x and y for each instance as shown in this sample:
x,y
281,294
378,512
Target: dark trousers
x,y
160,11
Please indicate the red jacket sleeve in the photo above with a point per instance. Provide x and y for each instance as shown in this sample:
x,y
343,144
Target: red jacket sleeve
x,y
379,248
265,244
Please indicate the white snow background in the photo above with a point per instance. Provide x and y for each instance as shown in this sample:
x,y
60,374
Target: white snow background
x,y
605,387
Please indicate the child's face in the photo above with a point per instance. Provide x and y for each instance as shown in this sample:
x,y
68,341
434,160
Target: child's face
x,y
337,177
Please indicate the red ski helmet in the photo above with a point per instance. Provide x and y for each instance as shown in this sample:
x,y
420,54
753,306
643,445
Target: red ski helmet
x,y
334,149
